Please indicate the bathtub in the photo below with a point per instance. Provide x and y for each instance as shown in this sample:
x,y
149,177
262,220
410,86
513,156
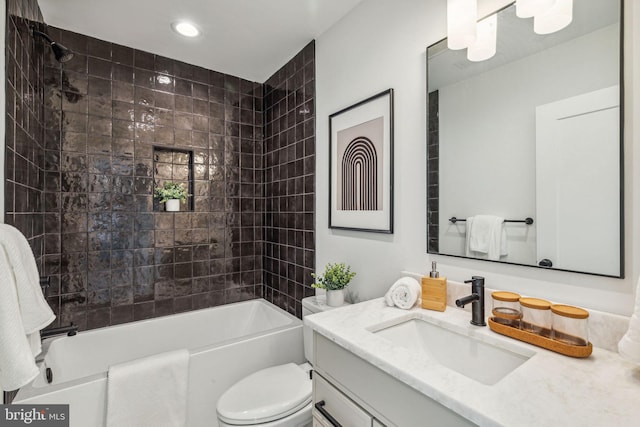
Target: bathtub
x,y
226,343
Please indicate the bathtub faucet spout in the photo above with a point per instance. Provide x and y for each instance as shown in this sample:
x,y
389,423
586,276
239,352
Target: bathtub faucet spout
x,y
70,330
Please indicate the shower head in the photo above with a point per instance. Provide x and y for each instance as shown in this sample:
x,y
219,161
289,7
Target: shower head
x,y
61,53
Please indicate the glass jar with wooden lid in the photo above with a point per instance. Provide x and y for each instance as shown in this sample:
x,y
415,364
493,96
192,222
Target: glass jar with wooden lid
x,y
570,324
505,308
536,316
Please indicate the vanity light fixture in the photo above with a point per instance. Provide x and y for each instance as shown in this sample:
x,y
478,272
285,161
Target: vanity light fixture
x,y
461,23
485,45
463,30
185,28
556,18
531,8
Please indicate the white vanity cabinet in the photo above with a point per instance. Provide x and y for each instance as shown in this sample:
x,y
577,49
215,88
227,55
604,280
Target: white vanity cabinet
x,y
356,393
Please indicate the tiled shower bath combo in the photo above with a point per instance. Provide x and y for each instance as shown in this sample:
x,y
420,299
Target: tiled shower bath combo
x,y
87,139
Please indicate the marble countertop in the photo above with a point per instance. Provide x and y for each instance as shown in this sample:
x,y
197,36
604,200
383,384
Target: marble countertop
x,y
548,389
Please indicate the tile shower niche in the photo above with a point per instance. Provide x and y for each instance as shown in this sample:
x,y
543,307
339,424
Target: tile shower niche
x,y
171,164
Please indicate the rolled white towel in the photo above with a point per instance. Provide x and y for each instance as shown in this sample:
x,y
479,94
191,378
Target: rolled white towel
x,y
404,293
629,345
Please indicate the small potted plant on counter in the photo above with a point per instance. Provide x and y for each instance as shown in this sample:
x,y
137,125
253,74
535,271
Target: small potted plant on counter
x,y
336,278
171,194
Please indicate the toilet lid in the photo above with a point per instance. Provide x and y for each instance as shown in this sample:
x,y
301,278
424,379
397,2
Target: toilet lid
x,y
266,395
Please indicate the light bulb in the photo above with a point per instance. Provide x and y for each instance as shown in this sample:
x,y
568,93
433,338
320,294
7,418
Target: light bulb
x,y
555,19
186,29
531,8
461,23
485,44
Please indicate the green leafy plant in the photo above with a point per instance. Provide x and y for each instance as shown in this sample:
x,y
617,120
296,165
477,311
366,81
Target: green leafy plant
x,y
171,190
336,276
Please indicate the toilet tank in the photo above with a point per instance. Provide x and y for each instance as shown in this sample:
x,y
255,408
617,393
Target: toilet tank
x,y
311,305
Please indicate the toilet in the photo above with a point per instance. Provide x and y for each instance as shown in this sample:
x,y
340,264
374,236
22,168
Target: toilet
x,y
279,396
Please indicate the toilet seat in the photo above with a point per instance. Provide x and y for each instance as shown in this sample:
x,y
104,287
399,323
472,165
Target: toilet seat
x,y
266,395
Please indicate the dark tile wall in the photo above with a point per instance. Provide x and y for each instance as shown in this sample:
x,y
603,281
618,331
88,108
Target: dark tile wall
x,y
289,107
112,258
24,158
433,186
80,175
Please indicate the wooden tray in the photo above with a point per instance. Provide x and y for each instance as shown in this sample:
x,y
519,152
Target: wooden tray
x,y
540,341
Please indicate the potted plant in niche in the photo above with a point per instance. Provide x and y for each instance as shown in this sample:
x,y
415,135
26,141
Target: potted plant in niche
x,y
336,277
171,194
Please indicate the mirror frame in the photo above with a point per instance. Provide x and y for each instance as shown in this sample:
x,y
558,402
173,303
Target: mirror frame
x,y
432,227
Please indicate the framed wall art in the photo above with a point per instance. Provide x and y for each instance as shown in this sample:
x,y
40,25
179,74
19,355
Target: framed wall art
x,y
361,165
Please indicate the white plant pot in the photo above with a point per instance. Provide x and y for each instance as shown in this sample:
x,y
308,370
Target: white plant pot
x,y
172,205
335,298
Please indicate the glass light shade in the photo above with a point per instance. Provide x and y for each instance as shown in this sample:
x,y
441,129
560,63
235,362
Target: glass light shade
x,y
558,17
461,23
485,45
531,8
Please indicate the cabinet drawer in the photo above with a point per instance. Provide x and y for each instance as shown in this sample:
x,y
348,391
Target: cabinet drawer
x,y
337,405
381,395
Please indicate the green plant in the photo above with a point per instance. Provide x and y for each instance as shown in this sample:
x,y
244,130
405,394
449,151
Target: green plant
x,y
336,276
171,190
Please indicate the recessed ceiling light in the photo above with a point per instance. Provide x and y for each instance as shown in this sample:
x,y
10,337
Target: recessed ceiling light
x,y
186,29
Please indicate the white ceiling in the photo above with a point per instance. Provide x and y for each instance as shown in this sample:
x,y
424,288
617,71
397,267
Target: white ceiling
x,y
247,38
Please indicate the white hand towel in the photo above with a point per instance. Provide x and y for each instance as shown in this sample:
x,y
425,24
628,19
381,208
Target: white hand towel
x,y
149,392
486,235
17,361
404,293
629,345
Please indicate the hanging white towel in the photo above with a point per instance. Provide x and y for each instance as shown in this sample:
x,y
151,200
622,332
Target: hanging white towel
x,y
486,236
404,293
23,310
629,345
17,362
149,392
36,313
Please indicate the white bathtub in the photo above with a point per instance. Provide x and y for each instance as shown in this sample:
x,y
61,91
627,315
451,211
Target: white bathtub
x,y
226,343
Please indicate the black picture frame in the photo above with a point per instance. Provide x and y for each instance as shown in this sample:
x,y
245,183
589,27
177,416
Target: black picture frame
x,y
361,165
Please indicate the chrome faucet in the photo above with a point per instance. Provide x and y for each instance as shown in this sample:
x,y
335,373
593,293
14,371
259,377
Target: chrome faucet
x,y
477,298
70,330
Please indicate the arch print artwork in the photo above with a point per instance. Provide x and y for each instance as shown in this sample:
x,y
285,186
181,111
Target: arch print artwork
x,y
358,175
361,166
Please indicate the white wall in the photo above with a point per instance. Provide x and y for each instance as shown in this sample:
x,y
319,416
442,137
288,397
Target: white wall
x,y
382,44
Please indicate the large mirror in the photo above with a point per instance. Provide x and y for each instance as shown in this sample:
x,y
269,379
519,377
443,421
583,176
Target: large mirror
x,y
525,148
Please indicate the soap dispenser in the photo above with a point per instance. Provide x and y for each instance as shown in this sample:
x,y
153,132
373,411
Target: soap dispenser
x,y
434,290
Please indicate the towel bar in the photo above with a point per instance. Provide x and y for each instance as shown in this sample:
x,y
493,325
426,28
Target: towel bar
x,y
527,221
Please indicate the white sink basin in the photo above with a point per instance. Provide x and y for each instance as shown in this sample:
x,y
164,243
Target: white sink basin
x,y
466,355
